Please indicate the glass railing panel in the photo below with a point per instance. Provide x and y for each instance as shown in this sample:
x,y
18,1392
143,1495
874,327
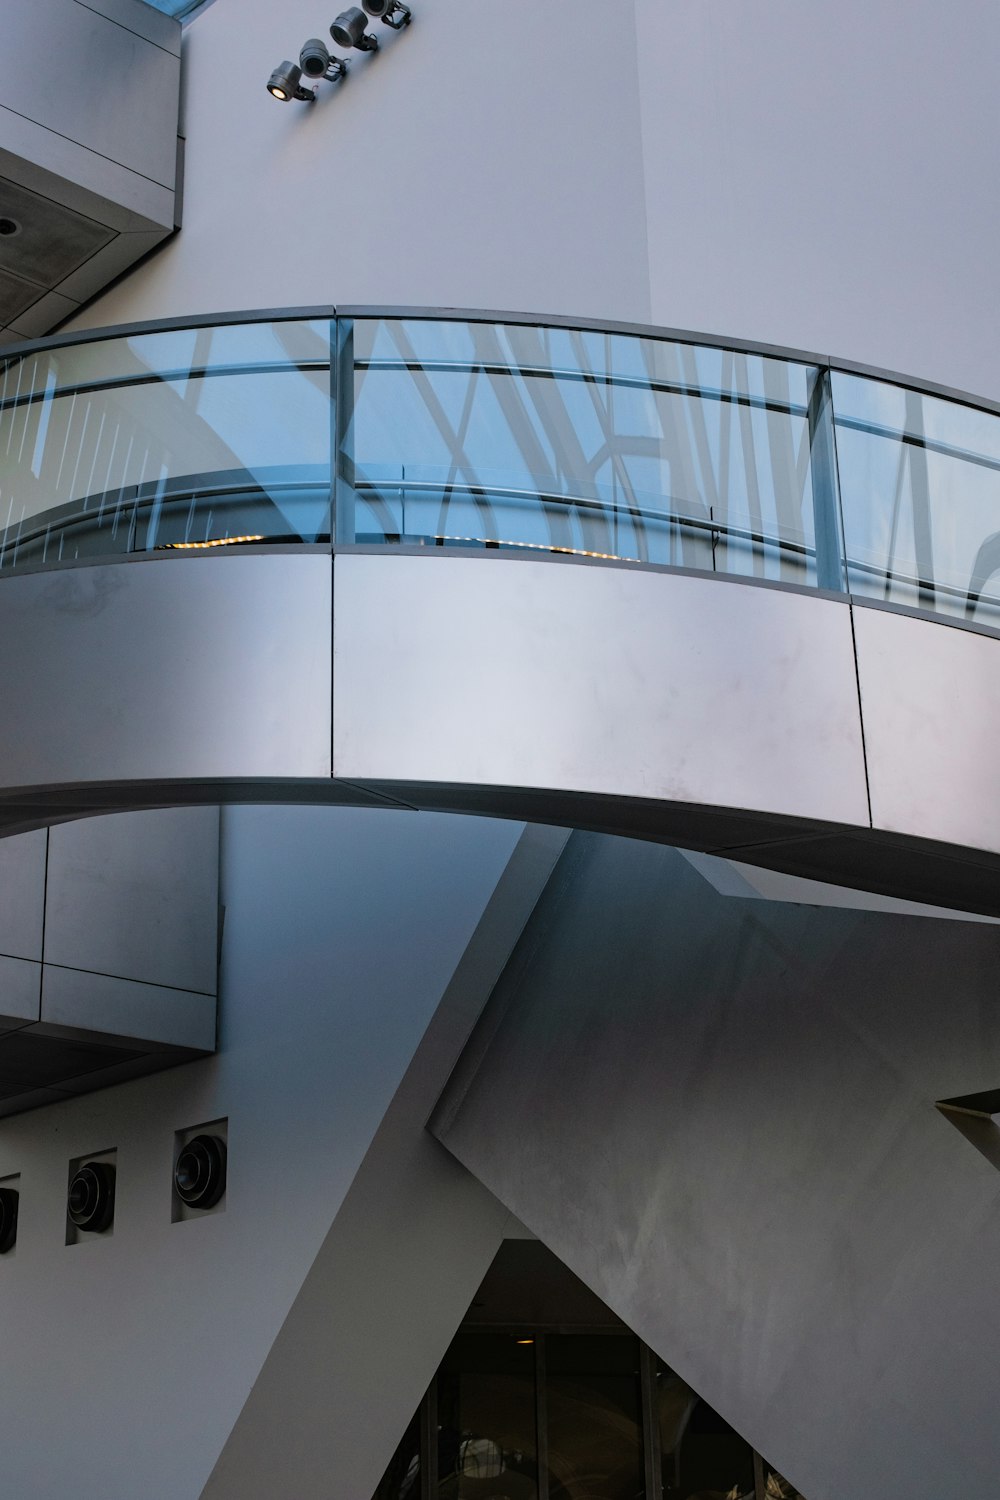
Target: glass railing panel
x,y
509,435
736,438
920,488
186,436
464,433
169,353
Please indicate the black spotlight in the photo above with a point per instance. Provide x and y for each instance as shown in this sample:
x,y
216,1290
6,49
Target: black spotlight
x,y
348,30
314,59
92,1197
200,1172
285,83
390,12
8,1218
316,62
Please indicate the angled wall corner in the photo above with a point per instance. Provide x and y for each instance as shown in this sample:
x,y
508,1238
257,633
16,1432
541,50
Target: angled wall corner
x,y
412,1240
108,952
720,1115
975,1117
89,156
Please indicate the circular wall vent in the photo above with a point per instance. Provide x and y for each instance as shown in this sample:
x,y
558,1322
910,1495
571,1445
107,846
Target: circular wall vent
x,y
92,1197
200,1173
8,1219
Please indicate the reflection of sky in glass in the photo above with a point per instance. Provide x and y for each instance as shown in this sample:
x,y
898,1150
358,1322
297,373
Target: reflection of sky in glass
x,y
967,428
178,8
578,440
644,438
261,416
921,517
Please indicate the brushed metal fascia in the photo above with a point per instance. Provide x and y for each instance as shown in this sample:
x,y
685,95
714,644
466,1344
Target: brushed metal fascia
x,y
22,895
593,680
111,90
20,991
710,713
931,703
99,1004
136,896
176,669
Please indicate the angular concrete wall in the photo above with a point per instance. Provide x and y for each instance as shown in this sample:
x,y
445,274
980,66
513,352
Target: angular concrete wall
x,y
137,1352
721,1115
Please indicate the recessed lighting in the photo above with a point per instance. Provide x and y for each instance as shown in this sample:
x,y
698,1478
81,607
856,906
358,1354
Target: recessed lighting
x,y
219,541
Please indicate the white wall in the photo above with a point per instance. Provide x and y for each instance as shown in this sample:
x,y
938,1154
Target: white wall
x,y
822,176
488,156
135,1353
811,175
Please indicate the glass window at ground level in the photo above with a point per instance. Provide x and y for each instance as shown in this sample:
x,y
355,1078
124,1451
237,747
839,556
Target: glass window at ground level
x,y
534,1415
702,1457
592,1415
401,1480
486,1419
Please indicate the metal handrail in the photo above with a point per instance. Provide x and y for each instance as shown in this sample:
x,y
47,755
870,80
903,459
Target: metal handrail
x,y
663,334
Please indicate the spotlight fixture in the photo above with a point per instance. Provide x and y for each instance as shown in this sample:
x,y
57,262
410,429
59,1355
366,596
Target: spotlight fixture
x,y
390,12
91,1203
284,84
316,62
8,1219
200,1171
348,30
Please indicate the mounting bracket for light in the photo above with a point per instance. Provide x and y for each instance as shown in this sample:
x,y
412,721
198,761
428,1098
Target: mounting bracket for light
x,y
390,12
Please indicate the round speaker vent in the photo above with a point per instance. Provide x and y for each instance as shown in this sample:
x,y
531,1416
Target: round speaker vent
x,y
8,1219
92,1197
200,1172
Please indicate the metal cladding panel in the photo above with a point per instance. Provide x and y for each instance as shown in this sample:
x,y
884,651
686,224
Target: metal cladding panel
x,y
22,895
136,896
89,161
109,88
604,680
173,669
84,182
931,703
98,1004
20,991
142,18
